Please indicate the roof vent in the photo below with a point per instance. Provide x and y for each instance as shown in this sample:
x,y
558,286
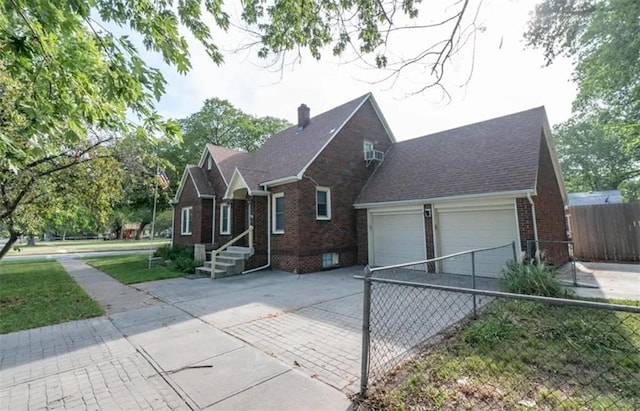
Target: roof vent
x,y
303,116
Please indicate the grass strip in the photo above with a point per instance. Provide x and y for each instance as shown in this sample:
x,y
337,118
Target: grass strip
x,y
131,269
35,293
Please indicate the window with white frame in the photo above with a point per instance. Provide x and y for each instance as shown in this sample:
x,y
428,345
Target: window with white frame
x,y
367,147
209,163
278,213
186,221
225,218
329,260
323,203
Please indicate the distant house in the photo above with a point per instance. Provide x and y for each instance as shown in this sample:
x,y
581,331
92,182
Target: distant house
x,y
595,197
337,190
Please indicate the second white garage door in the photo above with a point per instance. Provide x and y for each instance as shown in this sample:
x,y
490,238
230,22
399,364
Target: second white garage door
x,y
462,230
398,238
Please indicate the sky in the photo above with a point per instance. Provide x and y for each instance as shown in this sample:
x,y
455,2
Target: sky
x,y
506,78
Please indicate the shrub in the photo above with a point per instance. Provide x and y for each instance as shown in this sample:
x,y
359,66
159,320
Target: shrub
x,y
183,264
532,278
178,258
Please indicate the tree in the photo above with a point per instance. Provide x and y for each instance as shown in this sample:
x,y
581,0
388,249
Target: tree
x,y
70,86
600,145
592,154
218,122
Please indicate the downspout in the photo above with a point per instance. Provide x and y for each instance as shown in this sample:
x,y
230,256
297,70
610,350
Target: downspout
x,y
268,239
213,222
533,217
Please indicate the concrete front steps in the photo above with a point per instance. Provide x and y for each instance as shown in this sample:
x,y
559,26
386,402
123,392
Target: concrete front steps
x,y
229,262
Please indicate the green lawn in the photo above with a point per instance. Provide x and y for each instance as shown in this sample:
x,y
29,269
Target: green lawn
x,y
34,293
84,246
131,269
524,355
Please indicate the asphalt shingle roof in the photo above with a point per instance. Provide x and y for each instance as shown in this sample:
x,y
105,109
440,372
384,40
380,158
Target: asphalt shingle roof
x,y
285,153
492,156
200,180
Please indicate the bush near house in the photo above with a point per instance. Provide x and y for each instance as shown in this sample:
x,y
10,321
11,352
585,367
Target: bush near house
x,y
178,258
529,277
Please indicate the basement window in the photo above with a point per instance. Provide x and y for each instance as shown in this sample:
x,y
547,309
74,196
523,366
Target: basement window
x,y
329,260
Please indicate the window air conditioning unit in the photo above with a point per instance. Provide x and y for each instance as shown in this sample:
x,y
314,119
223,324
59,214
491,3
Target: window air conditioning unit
x,y
373,155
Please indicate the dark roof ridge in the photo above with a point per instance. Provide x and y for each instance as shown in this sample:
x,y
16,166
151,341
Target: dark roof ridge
x,y
478,123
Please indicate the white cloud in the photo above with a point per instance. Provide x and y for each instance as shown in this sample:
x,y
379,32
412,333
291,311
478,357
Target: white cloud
x,y
506,79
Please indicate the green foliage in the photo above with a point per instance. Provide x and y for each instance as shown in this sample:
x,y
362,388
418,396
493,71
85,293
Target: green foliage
x,y
593,153
562,357
531,278
218,122
603,137
179,258
35,293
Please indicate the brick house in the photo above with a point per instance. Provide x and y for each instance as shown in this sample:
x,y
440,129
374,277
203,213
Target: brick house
x,y
337,190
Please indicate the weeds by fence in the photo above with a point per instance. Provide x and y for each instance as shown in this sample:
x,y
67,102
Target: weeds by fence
x,y
424,348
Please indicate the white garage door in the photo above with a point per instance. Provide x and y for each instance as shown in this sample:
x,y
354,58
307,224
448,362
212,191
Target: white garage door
x,y
398,238
463,230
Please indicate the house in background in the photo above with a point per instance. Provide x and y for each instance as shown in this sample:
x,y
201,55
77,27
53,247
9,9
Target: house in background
x,y
337,190
595,197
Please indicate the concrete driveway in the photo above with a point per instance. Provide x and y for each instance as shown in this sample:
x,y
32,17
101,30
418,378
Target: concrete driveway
x,y
605,280
310,322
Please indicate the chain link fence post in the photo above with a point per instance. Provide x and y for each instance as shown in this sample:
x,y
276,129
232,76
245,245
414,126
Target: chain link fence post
x,y
473,282
366,340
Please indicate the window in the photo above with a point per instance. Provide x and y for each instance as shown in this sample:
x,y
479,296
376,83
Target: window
x,y
323,203
225,218
367,146
209,163
329,260
278,213
187,218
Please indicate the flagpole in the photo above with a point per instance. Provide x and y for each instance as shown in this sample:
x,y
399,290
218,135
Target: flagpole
x,y
153,218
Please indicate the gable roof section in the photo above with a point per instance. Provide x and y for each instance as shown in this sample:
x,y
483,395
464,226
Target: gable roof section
x,y
225,159
494,156
285,155
200,182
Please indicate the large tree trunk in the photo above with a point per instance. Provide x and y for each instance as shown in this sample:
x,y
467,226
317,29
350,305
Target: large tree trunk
x,y
31,241
13,237
143,224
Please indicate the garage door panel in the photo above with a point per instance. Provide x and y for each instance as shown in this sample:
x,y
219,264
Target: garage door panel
x,y
398,238
464,230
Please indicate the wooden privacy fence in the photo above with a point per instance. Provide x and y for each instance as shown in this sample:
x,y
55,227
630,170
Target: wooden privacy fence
x,y
606,232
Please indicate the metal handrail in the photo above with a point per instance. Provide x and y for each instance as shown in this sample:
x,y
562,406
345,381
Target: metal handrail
x,y
228,244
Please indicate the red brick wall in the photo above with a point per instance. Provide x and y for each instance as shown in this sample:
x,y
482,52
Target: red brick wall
x,y
550,213
525,222
430,240
362,228
342,168
188,198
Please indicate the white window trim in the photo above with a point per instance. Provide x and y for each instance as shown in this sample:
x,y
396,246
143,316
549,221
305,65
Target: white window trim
x,y
328,191
186,211
209,163
273,216
228,231
364,147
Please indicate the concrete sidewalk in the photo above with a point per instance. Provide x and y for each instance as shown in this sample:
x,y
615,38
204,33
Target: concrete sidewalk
x,y
147,354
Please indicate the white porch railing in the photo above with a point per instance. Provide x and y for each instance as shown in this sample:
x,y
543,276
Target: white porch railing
x,y
214,253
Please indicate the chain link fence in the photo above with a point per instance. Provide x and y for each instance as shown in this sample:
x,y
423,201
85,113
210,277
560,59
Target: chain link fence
x,y
437,340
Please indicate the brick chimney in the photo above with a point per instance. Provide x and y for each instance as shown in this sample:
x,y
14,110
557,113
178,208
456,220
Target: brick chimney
x,y
303,116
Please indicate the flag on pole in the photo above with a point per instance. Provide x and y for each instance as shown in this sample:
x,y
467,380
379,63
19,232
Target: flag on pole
x,y
164,180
